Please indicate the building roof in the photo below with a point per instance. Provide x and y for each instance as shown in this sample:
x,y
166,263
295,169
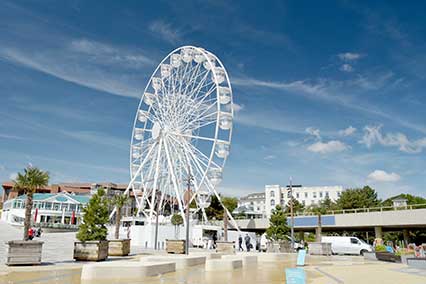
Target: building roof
x,y
60,197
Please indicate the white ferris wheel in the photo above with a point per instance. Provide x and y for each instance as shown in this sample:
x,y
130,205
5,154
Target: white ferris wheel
x,y
182,129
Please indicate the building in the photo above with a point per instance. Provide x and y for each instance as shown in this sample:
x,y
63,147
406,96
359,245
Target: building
x,y
278,195
252,204
48,208
72,188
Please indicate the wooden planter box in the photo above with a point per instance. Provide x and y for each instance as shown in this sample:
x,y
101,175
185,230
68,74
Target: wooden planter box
x,y
225,247
319,248
285,246
24,252
119,247
387,256
91,250
175,246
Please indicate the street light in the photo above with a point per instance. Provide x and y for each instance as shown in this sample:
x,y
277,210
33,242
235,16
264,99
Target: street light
x,y
290,196
187,198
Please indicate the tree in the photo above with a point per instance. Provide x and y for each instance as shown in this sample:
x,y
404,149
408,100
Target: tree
x,y
278,228
318,210
411,199
31,180
177,220
358,198
215,210
95,218
297,206
119,200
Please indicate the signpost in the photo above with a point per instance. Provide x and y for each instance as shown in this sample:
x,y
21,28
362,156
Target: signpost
x,y
301,257
295,276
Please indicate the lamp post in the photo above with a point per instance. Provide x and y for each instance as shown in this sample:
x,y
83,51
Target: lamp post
x,y
292,215
187,198
290,196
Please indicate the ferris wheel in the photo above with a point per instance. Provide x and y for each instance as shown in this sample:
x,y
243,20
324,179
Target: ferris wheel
x,y
182,128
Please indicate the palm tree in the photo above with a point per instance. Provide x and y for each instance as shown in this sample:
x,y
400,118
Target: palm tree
x,y
119,201
319,211
29,181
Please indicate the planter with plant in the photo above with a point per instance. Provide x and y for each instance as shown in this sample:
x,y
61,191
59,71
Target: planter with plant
x,y
92,234
117,246
176,246
384,255
27,251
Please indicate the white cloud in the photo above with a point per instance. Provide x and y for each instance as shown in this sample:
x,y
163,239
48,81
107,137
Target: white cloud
x,y
382,176
346,68
313,131
328,147
373,135
166,31
348,131
106,54
75,70
270,157
349,56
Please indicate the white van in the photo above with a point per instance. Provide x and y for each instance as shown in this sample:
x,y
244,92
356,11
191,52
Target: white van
x,y
347,245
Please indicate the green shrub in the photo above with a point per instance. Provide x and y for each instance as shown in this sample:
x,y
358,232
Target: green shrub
x,y
94,219
404,252
380,248
177,219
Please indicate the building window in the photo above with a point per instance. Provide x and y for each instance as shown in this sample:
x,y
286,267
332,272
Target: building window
x,y
272,193
303,202
338,193
320,194
315,195
282,195
297,195
48,205
327,194
272,202
306,195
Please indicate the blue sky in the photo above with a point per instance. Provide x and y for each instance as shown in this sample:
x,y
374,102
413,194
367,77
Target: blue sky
x,y
330,93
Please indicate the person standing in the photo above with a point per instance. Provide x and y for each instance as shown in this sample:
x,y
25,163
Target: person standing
x,y
30,234
248,244
240,243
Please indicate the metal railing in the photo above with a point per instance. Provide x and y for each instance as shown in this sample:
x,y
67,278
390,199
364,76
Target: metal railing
x,y
350,211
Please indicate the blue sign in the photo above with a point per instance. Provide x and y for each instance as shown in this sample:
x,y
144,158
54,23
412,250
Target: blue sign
x,y
295,276
301,257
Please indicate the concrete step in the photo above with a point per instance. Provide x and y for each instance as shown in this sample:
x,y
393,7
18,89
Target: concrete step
x,y
248,260
182,261
124,270
223,264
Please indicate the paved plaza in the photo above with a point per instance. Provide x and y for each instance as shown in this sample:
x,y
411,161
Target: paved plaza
x,y
59,267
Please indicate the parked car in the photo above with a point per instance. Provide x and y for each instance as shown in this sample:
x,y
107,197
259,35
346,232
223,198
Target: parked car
x,y
347,245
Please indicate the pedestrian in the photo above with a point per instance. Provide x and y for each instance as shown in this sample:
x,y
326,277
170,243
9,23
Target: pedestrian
x,y
128,231
39,231
214,240
30,234
247,240
240,243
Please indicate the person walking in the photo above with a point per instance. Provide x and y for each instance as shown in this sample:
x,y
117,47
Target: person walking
x,y
240,243
247,240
